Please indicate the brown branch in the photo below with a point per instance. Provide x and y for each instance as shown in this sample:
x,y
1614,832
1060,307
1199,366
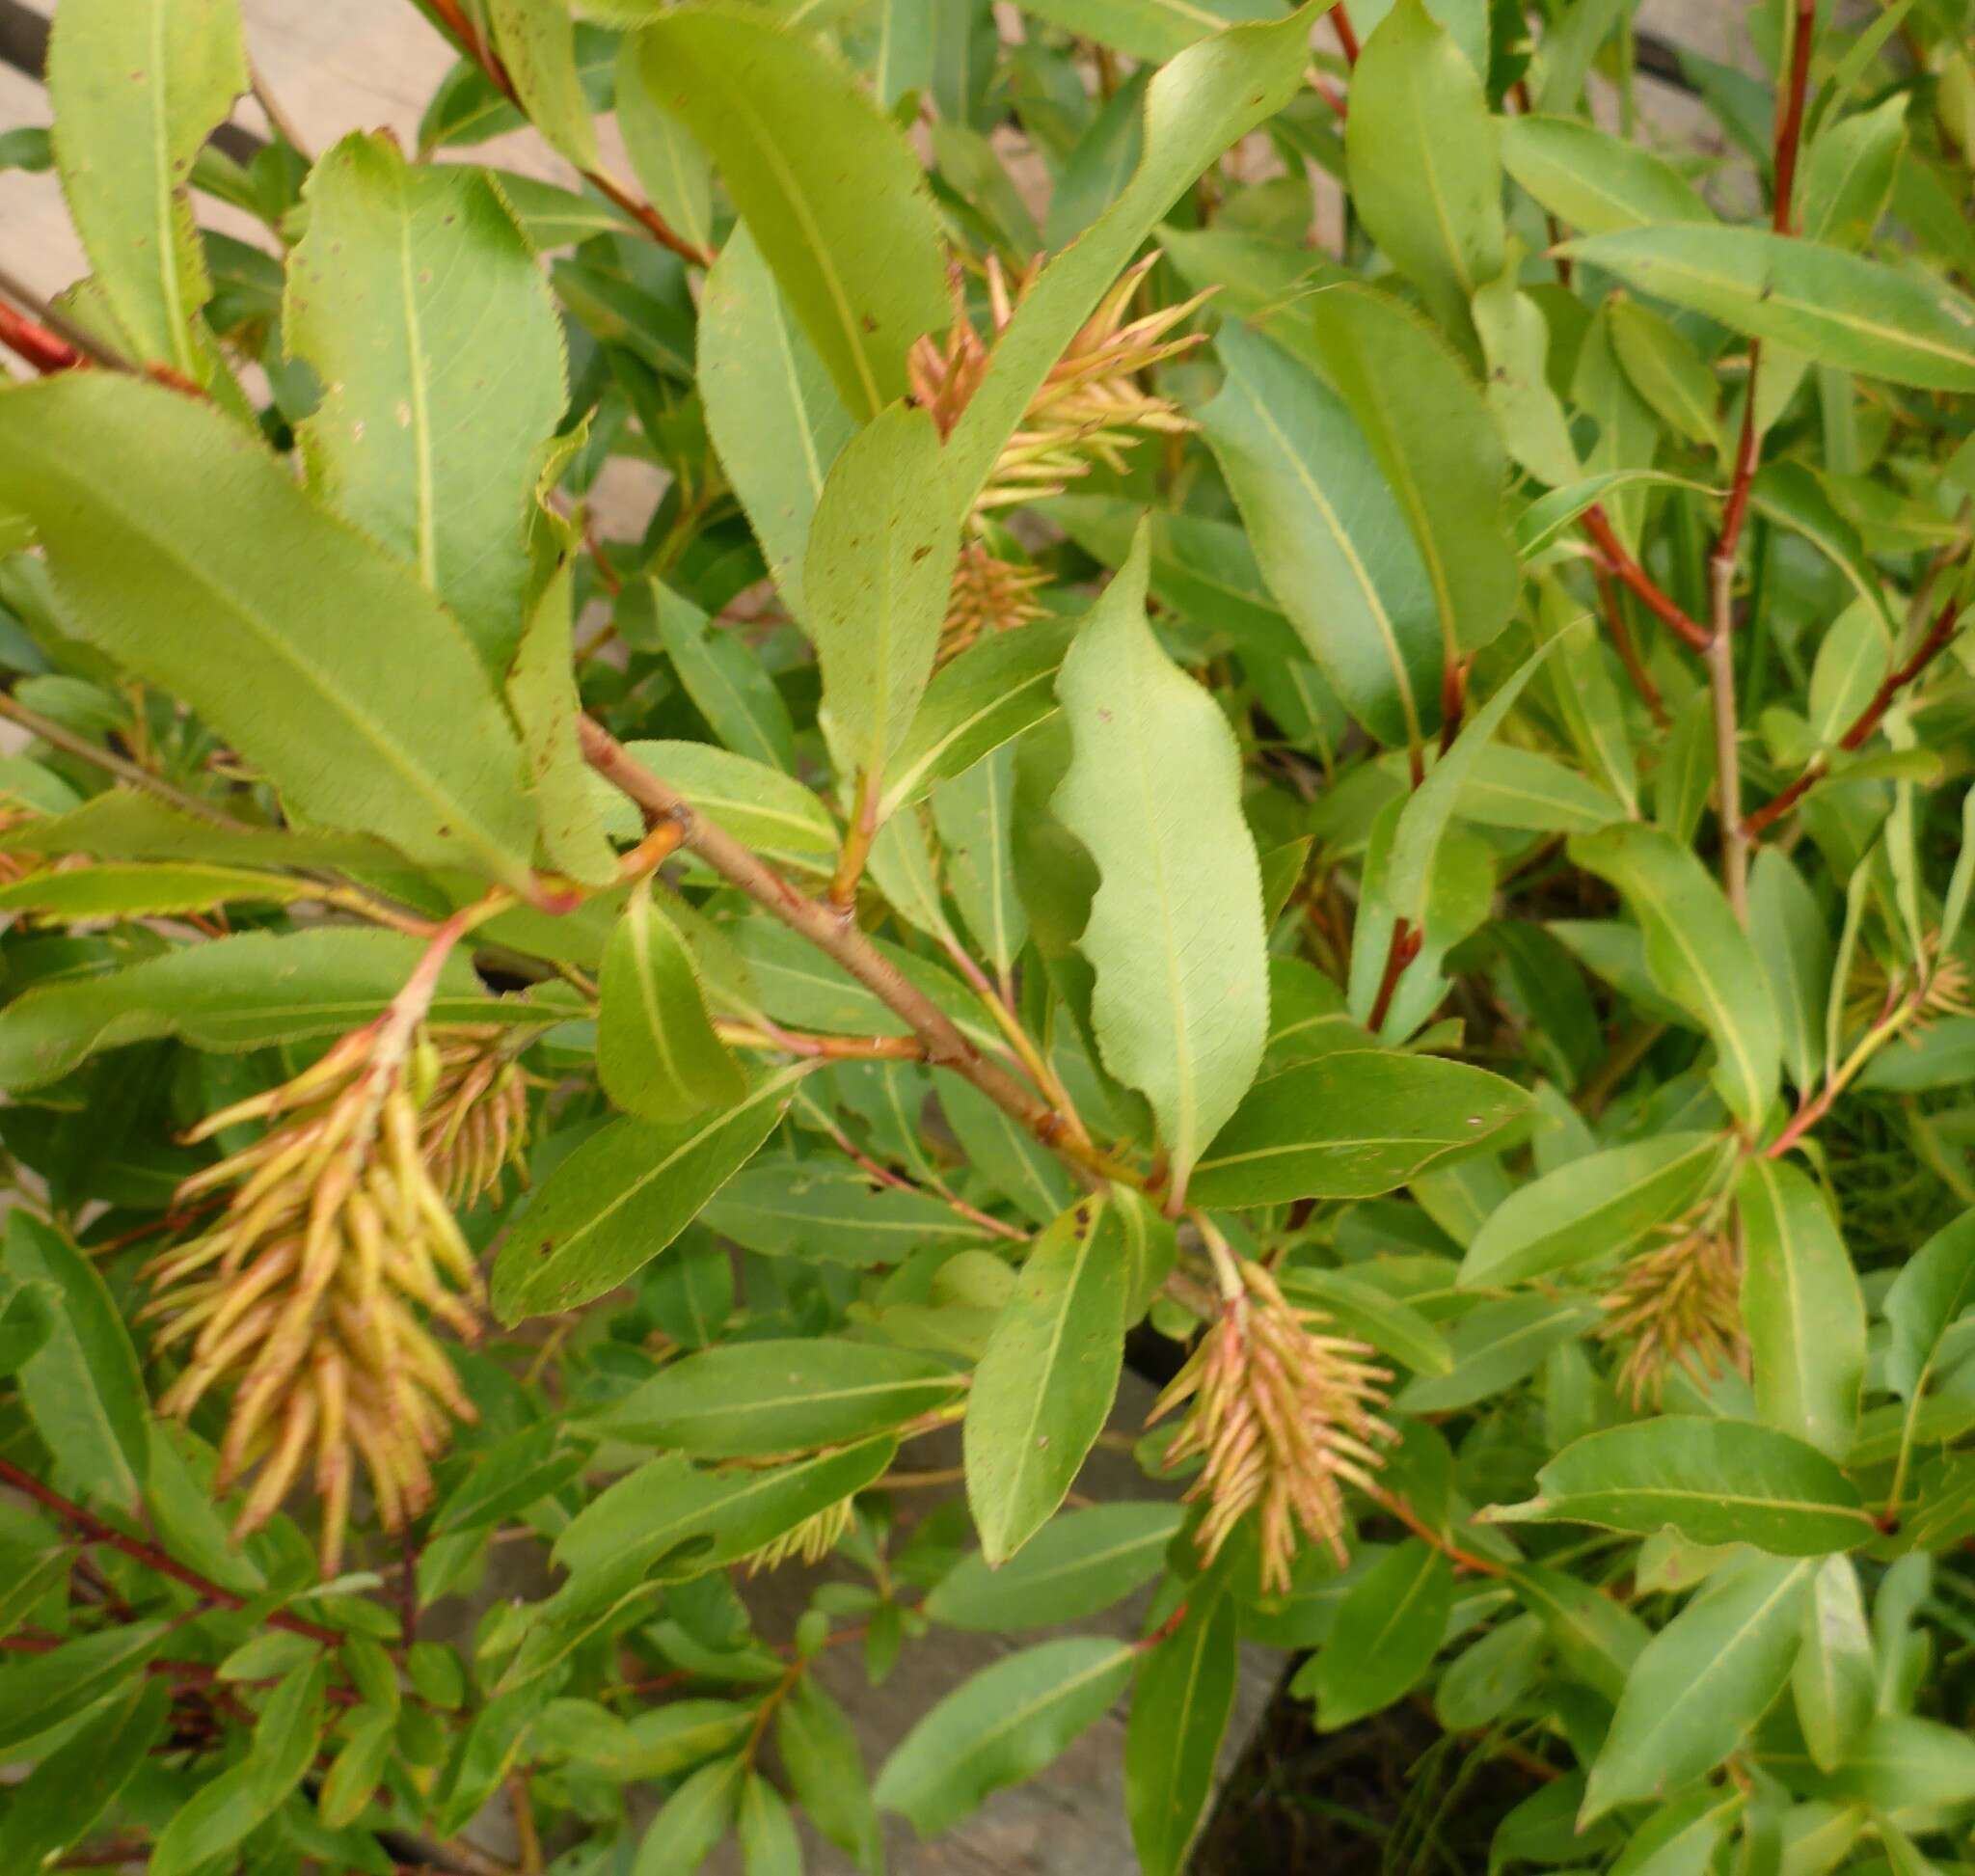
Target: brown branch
x,y
1347,37
1864,724
1598,525
36,344
460,30
1399,953
1628,652
840,939
94,1531
1720,658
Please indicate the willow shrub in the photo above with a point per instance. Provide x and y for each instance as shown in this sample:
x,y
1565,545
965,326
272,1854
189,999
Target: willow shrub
x,y
1366,779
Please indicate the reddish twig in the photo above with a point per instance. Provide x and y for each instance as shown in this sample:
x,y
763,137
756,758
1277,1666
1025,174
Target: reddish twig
x,y
1628,652
1939,636
97,1532
36,344
1598,525
1347,37
1462,1559
1399,953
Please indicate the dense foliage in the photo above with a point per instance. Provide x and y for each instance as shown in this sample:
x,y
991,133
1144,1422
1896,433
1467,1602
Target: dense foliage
x,y
1278,696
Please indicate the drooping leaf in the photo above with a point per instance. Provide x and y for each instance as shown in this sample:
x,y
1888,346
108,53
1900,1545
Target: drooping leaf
x,y
1179,1712
752,1399
1001,1726
1352,1124
1176,928
423,310
1329,534
658,1056
772,411
1714,1480
1801,1305
187,553
622,1196
1594,1207
1702,1684
136,86
1820,301
1698,955
829,189
1424,168
1045,1386
875,580
1079,1563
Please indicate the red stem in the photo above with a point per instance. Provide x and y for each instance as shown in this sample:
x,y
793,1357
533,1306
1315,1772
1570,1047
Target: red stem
x,y
1403,949
1347,37
97,1532
41,347
1628,652
1597,523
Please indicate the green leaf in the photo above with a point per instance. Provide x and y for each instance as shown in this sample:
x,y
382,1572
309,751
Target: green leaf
x,y
657,1054
1847,174
122,823
1593,1207
1802,1308
1593,180
622,1196
752,1399
1836,1678
1436,443
1365,1311
188,554
1005,1153
1789,493
231,993
671,169
1700,956
829,187
1388,1630
826,1768
1045,1386
691,1821
831,1213
55,1806
136,86
1905,1763
974,814
1794,945
536,41
1597,1639
1517,788
1852,658
1934,1288
44,1690
352,1780
509,1477
1329,534
1196,105
1000,1727
769,1843
1667,371
773,414
1150,29
1494,1345
876,579
1079,1565
1425,175
1702,1684
1716,1482
760,806
83,1387
987,697
721,673
1180,1711
1350,1125
422,307
1176,928
115,891
1515,344
1834,306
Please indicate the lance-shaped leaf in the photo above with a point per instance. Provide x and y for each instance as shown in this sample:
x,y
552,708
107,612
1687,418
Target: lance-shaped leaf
x,y
1001,1726
657,1054
1178,1714
1698,955
1176,935
41,1692
1716,1482
1045,1384
1702,1684
1424,172
1794,945
773,414
828,185
1594,180
1330,535
1077,1565
1152,29
1820,301
1836,1676
536,41
427,318
69,1790
671,168
1934,1288
1802,1307
1207,97
1433,436
1593,1207
1388,1631
185,552
750,1399
876,578
622,1196
1351,1123
136,86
